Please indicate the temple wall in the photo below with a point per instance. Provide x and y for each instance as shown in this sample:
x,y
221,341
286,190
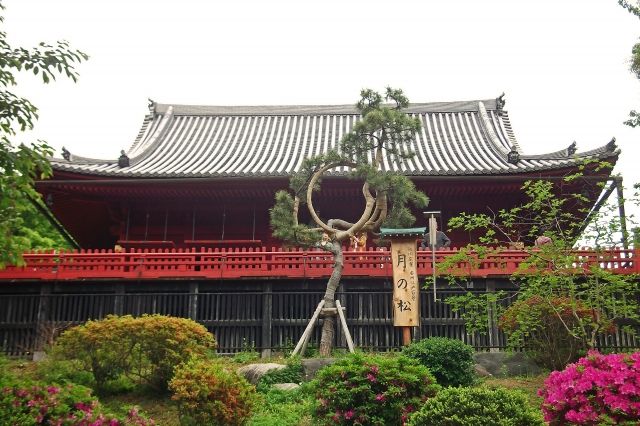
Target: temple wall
x,y
265,315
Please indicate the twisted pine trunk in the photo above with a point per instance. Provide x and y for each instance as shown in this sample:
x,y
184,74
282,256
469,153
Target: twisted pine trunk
x,y
326,339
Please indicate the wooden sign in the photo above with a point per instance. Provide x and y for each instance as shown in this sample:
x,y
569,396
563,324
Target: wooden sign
x,y
406,288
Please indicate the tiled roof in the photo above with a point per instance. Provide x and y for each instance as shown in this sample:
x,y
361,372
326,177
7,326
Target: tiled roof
x,y
457,138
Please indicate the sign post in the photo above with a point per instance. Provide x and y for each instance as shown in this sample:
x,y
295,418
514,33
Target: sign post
x,y
406,286
433,233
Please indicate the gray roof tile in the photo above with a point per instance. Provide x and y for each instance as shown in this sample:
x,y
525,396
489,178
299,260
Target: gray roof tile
x,y
457,138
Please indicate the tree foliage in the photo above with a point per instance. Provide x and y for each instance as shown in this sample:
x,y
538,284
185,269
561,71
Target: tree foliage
x,y
21,164
572,292
383,130
633,9
634,116
34,231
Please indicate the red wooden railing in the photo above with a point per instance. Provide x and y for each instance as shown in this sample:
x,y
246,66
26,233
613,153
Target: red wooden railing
x,y
276,262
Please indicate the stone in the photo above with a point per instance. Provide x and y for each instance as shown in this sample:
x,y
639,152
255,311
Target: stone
x,y
481,371
507,364
39,356
312,365
286,386
253,372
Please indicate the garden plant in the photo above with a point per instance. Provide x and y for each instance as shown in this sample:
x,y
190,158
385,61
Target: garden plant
x,y
146,349
371,390
211,392
596,390
477,406
565,303
449,360
24,401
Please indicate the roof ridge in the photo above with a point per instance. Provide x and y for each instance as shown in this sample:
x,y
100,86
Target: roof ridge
x,y
335,109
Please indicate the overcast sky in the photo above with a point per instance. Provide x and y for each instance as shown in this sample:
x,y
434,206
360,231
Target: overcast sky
x,y
563,64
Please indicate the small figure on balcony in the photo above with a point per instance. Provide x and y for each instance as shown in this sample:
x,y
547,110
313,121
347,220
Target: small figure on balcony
x,y
441,240
516,245
325,239
359,242
542,240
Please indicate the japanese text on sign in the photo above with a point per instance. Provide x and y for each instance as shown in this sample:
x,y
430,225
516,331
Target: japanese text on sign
x,y
406,310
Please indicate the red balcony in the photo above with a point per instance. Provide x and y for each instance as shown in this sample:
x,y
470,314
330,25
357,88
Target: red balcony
x,y
237,263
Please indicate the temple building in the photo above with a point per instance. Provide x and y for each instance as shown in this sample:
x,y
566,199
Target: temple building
x,y
205,176
178,224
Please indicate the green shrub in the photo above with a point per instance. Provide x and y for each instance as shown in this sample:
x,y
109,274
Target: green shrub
x,y
371,389
210,392
29,403
61,372
292,373
246,357
145,349
5,377
449,360
546,329
283,408
477,406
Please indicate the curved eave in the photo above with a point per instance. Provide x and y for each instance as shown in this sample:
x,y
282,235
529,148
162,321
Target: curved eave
x,y
523,167
472,138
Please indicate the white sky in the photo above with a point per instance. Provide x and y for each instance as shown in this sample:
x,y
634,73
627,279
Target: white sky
x,y
562,63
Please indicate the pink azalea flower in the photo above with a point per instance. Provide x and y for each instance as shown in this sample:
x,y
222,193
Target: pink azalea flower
x,y
53,390
597,388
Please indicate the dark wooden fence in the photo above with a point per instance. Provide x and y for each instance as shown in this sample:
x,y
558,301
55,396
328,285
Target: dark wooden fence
x,y
263,317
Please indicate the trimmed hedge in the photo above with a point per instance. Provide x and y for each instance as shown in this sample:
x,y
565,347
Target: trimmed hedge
x,y
477,406
449,360
144,349
212,393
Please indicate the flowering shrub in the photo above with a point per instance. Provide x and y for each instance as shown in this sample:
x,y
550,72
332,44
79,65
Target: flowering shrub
x,y
211,393
598,389
52,405
144,349
477,406
544,328
371,390
449,360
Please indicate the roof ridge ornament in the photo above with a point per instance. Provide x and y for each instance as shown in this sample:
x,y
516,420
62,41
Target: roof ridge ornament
x,y
151,106
611,146
500,103
123,161
571,149
66,154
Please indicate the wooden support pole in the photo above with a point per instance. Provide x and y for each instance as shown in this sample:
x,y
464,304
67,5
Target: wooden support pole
x,y
43,318
193,301
118,300
406,336
166,224
305,344
267,297
343,321
307,331
126,232
492,318
146,226
622,213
